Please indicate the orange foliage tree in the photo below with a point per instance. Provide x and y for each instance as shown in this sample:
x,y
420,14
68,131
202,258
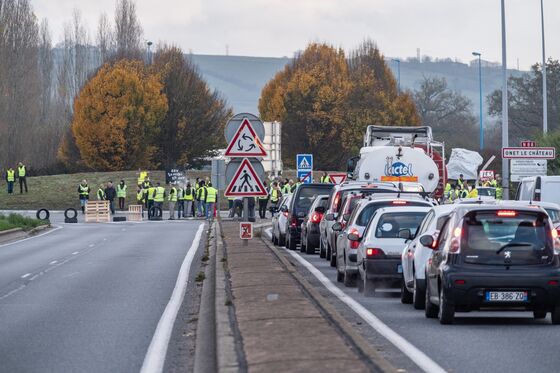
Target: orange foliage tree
x,y
117,116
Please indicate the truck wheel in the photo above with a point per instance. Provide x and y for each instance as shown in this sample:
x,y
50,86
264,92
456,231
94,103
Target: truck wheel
x,y
418,297
406,296
446,312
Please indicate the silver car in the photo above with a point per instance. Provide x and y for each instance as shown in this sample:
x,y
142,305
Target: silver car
x,y
279,218
415,256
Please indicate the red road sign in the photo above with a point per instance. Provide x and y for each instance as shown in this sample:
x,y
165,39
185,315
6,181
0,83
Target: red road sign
x,y
246,231
529,153
486,175
528,144
245,143
337,178
245,182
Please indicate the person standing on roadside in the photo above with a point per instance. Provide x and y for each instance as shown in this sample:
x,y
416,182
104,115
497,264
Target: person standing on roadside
x,y
10,179
263,202
159,197
211,198
83,192
110,194
188,194
172,200
180,202
22,176
140,195
121,194
275,195
325,179
101,193
201,198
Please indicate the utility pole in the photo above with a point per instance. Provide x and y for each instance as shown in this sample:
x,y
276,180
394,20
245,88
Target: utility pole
x,y
480,98
398,74
505,123
544,91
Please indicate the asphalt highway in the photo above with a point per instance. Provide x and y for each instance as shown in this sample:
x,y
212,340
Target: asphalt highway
x,y
88,297
477,342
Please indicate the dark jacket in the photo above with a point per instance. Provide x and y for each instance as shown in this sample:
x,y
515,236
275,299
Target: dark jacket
x,y
110,193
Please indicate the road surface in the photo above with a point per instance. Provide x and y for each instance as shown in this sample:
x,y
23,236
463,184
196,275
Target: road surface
x,y
88,297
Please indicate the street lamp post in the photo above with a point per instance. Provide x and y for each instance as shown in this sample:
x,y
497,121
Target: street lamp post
x,y
480,97
544,92
505,124
149,43
398,74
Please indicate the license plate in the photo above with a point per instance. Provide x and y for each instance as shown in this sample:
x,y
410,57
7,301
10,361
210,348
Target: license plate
x,y
506,296
399,268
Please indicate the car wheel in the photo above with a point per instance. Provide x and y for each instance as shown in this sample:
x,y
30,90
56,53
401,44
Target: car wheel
x,y
333,258
360,283
539,314
418,297
291,244
322,251
555,315
406,296
309,249
446,312
281,240
349,279
369,287
328,252
302,247
430,310
339,276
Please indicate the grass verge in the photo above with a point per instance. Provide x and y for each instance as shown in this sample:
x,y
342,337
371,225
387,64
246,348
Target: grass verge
x,y
17,221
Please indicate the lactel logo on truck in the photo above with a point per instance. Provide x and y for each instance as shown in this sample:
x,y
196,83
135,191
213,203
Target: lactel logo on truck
x,y
398,169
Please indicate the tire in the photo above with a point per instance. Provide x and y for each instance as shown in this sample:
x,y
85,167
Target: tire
x,y
406,296
328,252
281,240
368,287
539,314
418,297
322,251
70,210
349,280
339,276
360,283
40,211
446,312
430,310
555,315
302,247
333,259
291,244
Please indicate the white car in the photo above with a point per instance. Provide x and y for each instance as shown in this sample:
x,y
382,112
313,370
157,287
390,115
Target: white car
x,y
279,218
551,208
415,256
379,252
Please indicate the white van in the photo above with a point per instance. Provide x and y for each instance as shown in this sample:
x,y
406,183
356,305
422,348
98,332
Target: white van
x,y
539,188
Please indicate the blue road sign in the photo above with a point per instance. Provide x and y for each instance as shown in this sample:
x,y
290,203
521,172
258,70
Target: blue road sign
x,y
305,176
304,162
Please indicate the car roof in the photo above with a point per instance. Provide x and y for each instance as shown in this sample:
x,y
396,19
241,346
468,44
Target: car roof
x,y
466,208
386,210
550,205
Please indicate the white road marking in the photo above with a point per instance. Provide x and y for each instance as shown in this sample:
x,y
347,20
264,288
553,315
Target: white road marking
x,y
75,252
91,245
26,275
31,238
53,262
12,292
417,356
33,278
155,357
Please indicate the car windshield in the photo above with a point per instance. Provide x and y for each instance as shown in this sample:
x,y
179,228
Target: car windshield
x,y
368,211
487,192
506,237
390,224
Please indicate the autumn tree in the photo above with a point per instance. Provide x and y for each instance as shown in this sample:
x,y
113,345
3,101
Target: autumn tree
x,y
117,116
193,126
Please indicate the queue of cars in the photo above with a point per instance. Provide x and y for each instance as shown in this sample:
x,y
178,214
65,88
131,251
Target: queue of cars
x,y
467,256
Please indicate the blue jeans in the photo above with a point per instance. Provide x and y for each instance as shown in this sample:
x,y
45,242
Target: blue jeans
x,y
210,210
200,208
10,187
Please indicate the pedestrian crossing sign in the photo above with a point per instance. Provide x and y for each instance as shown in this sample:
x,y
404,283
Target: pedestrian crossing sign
x,y
305,177
245,182
304,162
245,142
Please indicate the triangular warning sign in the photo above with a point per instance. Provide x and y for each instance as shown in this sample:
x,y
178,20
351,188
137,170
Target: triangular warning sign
x,y
245,182
337,178
245,142
304,165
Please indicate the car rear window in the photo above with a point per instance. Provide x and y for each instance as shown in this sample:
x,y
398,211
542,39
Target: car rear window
x,y
390,224
362,191
506,238
554,215
368,211
487,192
306,196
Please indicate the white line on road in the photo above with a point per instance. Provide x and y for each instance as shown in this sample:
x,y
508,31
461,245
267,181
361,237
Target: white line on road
x,y
26,275
155,357
91,245
419,358
75,252
53,262
30,238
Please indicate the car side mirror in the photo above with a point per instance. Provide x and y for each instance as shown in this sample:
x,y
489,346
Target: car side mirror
x,y
320,209
284,208
354,237
345,217
337,227
329,217
405,234
428,241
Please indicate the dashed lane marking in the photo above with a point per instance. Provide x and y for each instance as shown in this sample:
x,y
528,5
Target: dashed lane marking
x,y
26,275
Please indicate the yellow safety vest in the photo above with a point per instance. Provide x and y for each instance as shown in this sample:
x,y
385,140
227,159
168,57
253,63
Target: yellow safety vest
x,y
21,171
188,194
172,195
121,191
160,194
325,179
211,194
274,195
473,193
100,194
142,177
11,175
84,190
140,195
180,194
151,193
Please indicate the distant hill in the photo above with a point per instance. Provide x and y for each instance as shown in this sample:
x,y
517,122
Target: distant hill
x,y
241,79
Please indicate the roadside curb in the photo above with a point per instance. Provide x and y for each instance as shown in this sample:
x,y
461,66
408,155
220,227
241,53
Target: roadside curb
x,y
15,234
368,352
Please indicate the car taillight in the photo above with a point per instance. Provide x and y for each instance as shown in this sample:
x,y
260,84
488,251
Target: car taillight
x,y
354,244
555,240
316,217
372,252
285,213
507,213
455,244
336,201
294,221
399,202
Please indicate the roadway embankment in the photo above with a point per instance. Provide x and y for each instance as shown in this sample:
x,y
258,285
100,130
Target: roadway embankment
x,y
268,318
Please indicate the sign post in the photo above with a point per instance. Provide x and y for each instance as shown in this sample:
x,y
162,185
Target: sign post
x,y
528,160
304,163
244,134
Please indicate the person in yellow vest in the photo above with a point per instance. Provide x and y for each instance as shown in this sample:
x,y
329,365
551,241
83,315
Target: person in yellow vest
x,y
121,194
83,192
140,195
461,182
473,192
275,195
142,176
325,179
22,176
101,193
447,190
201,199
211,199
180,202
172,201
10,179
150,197
188,196
263,202
159,197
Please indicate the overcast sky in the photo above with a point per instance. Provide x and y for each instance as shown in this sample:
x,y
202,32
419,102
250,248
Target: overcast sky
x,y
440,28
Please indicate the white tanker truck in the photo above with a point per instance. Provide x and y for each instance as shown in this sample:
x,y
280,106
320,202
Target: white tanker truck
x,y
401,154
